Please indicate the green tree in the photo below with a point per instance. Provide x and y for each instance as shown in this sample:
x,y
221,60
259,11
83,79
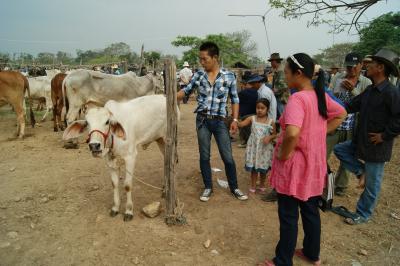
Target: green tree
x,y
383,31
119,49
64,58
45,58
133,58
193,43
4,57
347,13
85,57
152,57
333,55
25,58
234,47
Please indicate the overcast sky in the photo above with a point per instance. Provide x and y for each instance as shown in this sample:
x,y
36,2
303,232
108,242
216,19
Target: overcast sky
x,y
67,25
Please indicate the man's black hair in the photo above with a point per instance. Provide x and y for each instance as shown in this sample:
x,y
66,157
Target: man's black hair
x,y
211,48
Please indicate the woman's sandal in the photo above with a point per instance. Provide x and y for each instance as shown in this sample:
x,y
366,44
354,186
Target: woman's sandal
x,y
266,263
299,253
262,190
355,220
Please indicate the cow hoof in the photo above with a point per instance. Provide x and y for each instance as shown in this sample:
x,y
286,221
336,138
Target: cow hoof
x,y
113,213
55,129
128,217
62,128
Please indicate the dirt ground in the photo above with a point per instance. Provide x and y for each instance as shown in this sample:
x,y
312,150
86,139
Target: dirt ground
x,y
54,206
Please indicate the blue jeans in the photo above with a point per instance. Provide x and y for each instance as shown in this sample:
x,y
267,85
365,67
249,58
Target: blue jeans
x,y
346,153
206,128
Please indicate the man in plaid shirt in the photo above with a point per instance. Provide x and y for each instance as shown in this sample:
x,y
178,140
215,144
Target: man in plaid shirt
x,y
214,86
345,87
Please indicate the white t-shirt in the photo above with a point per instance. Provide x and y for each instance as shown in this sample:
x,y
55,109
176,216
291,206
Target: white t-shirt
x,y
184,76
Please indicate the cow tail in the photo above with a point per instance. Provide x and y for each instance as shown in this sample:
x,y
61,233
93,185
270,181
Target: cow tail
x,y
65,100
31,114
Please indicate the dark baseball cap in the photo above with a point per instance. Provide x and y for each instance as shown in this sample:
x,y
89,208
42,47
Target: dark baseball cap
x,y
352,59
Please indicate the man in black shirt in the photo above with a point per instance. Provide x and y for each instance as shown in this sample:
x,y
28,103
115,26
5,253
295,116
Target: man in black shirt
x,y
377,126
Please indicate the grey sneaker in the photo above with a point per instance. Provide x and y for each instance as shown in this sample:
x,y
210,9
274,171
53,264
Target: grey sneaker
x,y
205,196
270,197
239,194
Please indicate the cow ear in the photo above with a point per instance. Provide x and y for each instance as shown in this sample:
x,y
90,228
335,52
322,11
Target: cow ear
x,y
91,104
117,129
75,129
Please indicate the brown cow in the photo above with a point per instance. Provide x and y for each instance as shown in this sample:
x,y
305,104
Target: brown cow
x,y
57,99
12,90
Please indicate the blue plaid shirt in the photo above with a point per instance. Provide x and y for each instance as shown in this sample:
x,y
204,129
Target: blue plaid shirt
x,y
212,100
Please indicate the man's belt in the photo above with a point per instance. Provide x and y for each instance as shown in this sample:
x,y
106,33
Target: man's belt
x,y
211,117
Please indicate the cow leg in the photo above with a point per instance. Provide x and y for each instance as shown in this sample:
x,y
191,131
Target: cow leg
x,y
130,165
19,110
60,123
55,116
24,107
112,163
45,114
161,146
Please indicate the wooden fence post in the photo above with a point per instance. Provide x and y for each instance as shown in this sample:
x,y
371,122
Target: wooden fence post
x,y
174,208
125,66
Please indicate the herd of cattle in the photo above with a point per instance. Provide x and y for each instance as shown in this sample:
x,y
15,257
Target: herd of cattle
x,y
74,90
121,113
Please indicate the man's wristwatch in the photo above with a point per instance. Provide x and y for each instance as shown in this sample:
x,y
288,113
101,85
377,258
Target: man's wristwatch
x,y
235,120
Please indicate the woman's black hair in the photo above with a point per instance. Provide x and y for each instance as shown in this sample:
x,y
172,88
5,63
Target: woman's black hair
x,y
305,64
264,101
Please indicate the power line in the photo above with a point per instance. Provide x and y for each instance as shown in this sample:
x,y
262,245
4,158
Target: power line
x,y
263,21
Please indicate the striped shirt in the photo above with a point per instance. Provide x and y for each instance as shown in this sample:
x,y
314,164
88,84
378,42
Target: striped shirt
x,y
212,99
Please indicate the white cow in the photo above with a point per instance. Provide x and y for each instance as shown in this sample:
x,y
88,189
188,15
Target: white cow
x,y
52,72
83,86
118,130
41,87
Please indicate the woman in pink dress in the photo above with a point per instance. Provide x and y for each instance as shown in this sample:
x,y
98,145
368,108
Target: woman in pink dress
x,y
299,161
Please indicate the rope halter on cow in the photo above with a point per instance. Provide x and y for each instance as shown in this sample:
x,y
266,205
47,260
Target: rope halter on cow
x,y
104,135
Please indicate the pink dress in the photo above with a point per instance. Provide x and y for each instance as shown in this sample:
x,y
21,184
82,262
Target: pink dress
x,y
303,175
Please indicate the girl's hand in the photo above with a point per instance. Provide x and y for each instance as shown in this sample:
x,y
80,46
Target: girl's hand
x,y
233,128
267,140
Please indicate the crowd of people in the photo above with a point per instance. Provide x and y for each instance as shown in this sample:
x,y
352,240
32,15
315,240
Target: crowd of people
x,y
290,124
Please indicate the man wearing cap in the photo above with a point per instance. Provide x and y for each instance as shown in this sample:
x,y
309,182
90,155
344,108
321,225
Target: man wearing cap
x,y
184,78
279,86
248,97
257,82
377,126
345,87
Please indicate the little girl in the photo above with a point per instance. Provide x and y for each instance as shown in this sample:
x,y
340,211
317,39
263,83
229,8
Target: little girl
x,y
259,146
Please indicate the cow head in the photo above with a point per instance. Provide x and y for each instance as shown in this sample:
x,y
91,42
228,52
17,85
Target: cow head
x,y
158,82
102,128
